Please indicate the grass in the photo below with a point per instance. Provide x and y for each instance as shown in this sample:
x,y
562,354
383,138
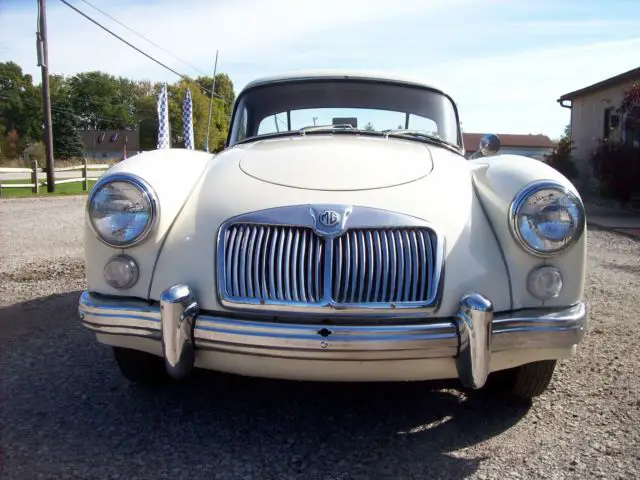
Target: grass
x,y
63,189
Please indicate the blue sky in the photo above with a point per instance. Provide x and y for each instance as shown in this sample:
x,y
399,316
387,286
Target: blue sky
x,y
505,62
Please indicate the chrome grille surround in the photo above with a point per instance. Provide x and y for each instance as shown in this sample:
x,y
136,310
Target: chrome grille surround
x,y
285,260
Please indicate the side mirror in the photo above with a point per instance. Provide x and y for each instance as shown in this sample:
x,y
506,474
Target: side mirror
x,y
489,145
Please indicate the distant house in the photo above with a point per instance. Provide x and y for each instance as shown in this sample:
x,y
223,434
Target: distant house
x,y
594,116
109,144
534,146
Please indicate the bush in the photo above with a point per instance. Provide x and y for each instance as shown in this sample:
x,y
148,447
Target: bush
x,y
616,166
560,159
35,151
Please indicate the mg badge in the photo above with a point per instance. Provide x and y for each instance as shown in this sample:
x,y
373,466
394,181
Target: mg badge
x,y
329,218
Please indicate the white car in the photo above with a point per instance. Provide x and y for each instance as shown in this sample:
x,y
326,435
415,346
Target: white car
x,y
341,235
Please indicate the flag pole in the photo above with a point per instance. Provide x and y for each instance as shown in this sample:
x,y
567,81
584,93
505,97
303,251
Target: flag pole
x,y
213,92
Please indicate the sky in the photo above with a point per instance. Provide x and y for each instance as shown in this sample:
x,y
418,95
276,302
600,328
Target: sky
x,y
504,62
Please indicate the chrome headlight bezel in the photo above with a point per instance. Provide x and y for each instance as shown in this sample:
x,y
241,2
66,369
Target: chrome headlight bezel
x,y
520,200
145,190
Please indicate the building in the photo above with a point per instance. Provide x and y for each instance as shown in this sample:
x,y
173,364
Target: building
x,y
534,146
594,116
109,145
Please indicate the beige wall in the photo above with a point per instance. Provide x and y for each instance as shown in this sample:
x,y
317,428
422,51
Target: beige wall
x,y
587,122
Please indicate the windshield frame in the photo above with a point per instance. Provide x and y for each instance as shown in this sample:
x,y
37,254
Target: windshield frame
x,y
459,146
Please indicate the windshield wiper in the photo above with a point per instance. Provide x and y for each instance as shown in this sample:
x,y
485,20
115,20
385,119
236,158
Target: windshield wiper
x,y
338,126
401,132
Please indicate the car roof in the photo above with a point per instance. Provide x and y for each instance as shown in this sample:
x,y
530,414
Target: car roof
x,y
340,74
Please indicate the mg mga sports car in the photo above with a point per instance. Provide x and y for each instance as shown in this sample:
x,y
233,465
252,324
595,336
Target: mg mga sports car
x,y
340,235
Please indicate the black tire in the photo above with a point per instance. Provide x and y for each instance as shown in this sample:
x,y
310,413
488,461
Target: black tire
x,y
140,367
524,382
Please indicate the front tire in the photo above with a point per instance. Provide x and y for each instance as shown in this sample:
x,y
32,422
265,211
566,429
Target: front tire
x,y
524,382
140,367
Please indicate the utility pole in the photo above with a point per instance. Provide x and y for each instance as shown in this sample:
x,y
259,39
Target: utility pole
x,y
43,63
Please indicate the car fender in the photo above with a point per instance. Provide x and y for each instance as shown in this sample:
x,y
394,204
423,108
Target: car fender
x,y
497,180
172,174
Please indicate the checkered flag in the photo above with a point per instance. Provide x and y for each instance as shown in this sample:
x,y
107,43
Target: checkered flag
x,y
187,120
164,133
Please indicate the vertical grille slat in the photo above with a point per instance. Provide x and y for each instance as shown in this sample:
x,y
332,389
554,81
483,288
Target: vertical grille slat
x,y
423,260
347,265
363,266
337,277
282,263
255,253
354,266
371,270
380,267
280,250
319,260
393,287
249,262
272,265
236,257
408,267
416,267
301,273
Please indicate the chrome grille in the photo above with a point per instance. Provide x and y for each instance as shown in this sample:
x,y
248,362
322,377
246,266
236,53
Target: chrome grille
x,y
383,261
391,265
268,262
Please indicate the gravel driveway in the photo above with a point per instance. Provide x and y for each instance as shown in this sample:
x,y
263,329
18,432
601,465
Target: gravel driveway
x,y
65,412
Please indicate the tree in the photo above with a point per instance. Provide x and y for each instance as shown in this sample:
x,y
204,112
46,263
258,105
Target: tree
x,y
66,141
65,122
96,100
369,127
20,104
560,157
224,90
103,101
11,145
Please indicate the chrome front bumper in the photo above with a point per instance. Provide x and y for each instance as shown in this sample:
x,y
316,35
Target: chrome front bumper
x,y
470,337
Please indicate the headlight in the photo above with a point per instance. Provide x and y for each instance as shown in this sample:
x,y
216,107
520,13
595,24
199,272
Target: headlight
x,y
122,209
546,218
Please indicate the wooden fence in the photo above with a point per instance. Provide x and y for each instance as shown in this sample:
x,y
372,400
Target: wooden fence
x,y
36,182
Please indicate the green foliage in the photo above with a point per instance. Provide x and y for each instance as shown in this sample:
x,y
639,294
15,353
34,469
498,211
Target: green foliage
x,y
560,157
20,104
100,101
617,168
65,123
66,141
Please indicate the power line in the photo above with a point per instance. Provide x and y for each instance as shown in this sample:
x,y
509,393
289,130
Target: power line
x,y
184,77
142,36
86,99
69,112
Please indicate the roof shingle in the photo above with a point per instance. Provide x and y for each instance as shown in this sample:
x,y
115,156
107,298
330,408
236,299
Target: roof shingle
x,y
471,140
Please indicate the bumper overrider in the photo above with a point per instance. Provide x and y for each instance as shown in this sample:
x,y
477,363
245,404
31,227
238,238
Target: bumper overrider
x,y
470,337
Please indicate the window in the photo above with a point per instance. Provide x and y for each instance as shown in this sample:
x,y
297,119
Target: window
x,y
371,105
607,122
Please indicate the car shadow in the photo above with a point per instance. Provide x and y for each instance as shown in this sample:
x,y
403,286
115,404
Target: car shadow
x,y
65,409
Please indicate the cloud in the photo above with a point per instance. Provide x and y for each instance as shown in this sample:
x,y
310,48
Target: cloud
x,y
517,92
244,31
504,61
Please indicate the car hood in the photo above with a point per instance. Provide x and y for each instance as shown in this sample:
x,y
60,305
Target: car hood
x,y
336,162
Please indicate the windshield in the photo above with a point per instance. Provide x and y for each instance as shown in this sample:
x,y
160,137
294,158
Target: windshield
x,y
361,104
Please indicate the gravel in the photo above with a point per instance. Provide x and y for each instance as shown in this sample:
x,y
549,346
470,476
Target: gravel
x,y
65,411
